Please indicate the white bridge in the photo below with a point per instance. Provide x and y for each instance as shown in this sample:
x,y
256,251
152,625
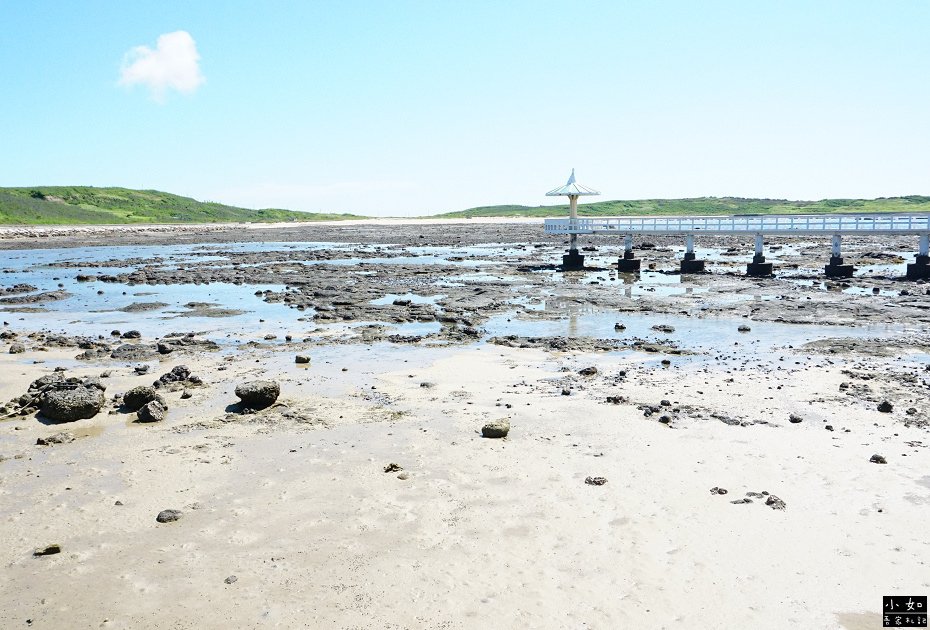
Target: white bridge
x,y
835,225
751,224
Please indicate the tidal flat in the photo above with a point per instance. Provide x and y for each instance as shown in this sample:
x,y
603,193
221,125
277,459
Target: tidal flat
x,y
681,451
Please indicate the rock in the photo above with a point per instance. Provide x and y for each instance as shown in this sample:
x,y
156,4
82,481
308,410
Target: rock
x,y
566,391
427,385
138,397
829,427
153,411
666,362
743,328
48,550
496,429
665,419
775,503
164,348
132,352
232,579
258,394
17,348
595,481
403,476
186,394
301,358
911,411
741,501
68,405
665,328
878,459
618,326
131,334
56,438
716,490
885,406
588,371
177,374
795,418
665,403
392,467
168,516
93,381
141,307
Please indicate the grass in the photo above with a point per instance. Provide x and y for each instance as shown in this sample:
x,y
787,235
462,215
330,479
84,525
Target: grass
x,y
45,205
706,206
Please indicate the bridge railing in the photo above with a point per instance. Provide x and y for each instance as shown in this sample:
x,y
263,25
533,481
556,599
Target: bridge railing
x,y
768,224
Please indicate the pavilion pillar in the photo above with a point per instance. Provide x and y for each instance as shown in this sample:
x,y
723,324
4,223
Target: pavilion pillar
x,y
836,268
573,261
758,267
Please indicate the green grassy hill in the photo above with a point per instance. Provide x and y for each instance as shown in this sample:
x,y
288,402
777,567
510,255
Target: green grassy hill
x,y
705,206
89,205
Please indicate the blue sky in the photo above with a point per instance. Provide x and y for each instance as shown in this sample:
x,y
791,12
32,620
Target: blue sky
x,y
399,108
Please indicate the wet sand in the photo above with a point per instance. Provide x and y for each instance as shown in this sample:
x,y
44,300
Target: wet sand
x,y
293,502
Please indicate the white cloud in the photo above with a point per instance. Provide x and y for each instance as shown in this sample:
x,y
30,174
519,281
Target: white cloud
x,y
173,65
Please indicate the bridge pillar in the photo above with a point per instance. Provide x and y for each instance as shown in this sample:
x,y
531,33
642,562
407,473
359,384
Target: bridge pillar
x,y
758,267
836,268
572,261
629,263
920,269
689,263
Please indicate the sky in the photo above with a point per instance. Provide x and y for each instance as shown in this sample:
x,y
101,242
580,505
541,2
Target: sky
x,y
410,108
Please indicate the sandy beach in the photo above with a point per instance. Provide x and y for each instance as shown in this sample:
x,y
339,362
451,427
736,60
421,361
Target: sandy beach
x,y
741,488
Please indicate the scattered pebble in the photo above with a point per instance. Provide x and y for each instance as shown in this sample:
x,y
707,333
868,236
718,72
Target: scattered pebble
x,y
168,516
48,550
56,438
496,429
775,503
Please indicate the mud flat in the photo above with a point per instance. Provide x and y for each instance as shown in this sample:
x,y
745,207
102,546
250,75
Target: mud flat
x,y
683,451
